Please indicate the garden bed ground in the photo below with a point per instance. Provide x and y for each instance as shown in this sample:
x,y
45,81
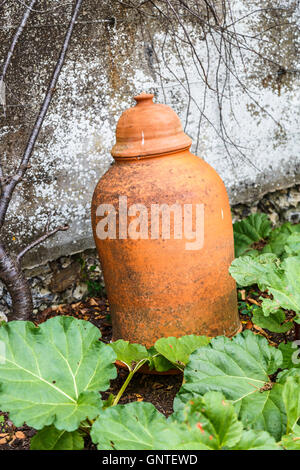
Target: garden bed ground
x,y
157,389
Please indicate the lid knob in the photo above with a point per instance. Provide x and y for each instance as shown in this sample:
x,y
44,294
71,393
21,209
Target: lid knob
x,y
144,98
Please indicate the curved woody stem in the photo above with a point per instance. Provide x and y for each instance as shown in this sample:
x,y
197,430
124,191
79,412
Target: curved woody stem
x,y
10,268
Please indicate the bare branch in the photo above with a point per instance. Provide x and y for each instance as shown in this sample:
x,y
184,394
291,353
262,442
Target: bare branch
x,y
16,38
204,78
41,240
10,187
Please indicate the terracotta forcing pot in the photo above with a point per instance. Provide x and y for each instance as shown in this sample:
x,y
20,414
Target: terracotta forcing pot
x,y
163,230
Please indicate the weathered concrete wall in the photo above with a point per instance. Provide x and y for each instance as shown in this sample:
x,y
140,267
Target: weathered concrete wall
x,y
116,54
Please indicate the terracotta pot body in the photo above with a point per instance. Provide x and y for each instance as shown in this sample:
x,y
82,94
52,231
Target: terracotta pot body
x,y
160,287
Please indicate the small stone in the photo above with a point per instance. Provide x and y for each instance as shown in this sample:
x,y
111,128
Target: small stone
x,y
294,197
65,262
80,291
274,218
3,317
64,279
293,216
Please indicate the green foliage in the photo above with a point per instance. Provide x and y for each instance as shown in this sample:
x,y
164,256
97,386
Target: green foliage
x,y
292,441
208,423
291,399
129,353
240,369
131,426
264,270
50,438
164,355
178,350
279,240
256,440
273,322
279,278
254,228
290,355
159,362
93,282
283,375
292,246
246,309
52,374
276,269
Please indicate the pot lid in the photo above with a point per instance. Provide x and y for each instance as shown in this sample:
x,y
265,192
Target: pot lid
x,y
148,129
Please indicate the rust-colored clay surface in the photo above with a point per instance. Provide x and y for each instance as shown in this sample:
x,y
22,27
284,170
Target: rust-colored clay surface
x,y
156,287
148,129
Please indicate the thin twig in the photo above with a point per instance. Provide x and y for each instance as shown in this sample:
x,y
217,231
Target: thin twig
x,y
15,39
10,187
41,240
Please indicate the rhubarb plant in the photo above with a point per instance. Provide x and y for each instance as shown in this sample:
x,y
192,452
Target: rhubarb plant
x,y
238,393
274,267
52,374
247,232
166,354
240,369
206,423
254,235
230,399
279,278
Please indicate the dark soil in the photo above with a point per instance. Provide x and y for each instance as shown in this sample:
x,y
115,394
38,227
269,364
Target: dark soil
x,y
157,389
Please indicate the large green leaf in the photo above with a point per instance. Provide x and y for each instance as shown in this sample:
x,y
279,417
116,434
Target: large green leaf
x,y
256,440
166,352
281,279
129,353
208,423
285,374
51,438
269,306
285,288
211,423
52,374
252,229
158,362
278,238
273,322
178,350
291,399
292,246
288,293
263,270
127,427
240,369
290,355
